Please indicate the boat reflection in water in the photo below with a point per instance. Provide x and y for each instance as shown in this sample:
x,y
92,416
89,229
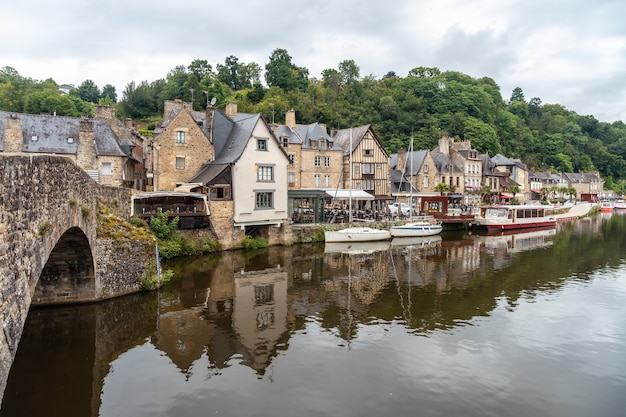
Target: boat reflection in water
x,y
516,241
416,242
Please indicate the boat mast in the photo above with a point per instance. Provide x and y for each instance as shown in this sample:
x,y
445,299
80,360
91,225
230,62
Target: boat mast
x,y
350,190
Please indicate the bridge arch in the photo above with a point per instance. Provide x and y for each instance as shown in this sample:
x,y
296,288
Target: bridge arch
x,y
69,272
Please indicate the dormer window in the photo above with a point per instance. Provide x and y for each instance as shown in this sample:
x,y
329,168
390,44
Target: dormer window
x,y
322,144
285,142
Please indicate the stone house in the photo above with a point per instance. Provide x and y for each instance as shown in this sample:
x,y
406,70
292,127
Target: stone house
x,y
91,143
587,184
181,146
315,160
517,174
416,170
366,162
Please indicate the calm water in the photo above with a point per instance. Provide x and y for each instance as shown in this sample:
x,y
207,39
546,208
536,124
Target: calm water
x,y
529,324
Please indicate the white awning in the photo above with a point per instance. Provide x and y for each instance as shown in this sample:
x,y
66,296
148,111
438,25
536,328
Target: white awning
x,y
343,194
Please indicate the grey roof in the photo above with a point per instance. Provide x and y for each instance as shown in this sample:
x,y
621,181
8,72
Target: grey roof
x,y
230,138
61,134
414,159
285,131
501,160
444,163
342,137
54,134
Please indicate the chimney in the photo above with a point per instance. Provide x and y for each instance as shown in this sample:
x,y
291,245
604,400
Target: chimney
x,y
400,165
208,124
104,112
290,118
444,145
324,128
231,109
13,138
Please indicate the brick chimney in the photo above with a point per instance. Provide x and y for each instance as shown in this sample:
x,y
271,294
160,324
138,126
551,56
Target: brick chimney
x,y
290,118
231,109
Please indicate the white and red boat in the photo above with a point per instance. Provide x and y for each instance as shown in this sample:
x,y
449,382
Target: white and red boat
x,y
606,206
503,217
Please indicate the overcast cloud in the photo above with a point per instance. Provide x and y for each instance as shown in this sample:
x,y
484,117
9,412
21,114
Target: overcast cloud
x,y
568,52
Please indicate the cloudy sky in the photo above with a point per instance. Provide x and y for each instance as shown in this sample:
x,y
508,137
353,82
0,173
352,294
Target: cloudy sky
x,y
568,52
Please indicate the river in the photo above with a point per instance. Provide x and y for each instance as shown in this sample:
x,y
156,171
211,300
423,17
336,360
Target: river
x,y
465,324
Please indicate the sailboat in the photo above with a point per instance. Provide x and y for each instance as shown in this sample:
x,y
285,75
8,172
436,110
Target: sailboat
x,y
419,226
355,233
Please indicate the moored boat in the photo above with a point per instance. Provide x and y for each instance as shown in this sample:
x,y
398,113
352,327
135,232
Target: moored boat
x,y
419,227
356,234
606,206
620,205
503,217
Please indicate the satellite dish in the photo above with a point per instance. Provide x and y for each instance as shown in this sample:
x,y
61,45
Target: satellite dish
x,y
213,100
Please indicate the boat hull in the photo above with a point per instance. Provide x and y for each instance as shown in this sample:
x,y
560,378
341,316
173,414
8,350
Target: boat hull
x,y
494,225
356,234
416,230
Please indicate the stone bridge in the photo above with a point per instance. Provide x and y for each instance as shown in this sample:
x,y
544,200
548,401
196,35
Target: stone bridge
x,y
49,248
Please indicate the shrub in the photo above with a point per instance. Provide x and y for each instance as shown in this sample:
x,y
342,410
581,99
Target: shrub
x,y
250,242
162,227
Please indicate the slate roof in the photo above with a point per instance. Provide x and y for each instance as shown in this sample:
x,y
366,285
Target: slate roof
x,y
444,163
501,160
415,159
342,138
61,134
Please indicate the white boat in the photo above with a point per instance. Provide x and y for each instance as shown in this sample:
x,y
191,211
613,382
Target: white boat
x,y
356,234
606,206
352,233
620,205
503,217
356,247
417,228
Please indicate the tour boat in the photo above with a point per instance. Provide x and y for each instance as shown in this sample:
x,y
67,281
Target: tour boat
x,y
502,217
620,205
606,206
426,226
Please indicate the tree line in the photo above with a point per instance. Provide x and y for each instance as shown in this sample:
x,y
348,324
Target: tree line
x,y
424,104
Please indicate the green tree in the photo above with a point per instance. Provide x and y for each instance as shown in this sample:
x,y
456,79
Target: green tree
x,y
485,193
87,91
109,91
281,72
51,102
442,187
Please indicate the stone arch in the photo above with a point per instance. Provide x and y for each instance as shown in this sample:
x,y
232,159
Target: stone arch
x,y
69,273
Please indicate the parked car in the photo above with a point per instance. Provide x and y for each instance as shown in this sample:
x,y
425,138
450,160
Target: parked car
x,y
404,209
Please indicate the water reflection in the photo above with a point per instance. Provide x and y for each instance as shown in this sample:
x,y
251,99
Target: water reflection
x,y
236,311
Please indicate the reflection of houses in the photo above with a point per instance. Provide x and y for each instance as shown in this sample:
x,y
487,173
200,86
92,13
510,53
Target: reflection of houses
x,y
260,313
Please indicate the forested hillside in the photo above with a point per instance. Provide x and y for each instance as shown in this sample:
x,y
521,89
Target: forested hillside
x,y
425,104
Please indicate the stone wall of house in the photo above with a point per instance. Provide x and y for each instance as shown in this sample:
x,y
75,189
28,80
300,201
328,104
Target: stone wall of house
x,y
196,151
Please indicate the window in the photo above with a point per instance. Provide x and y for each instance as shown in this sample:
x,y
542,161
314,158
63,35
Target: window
x,y
367,169
317,180
327,161
291,178
318,161
327,181
425,182
322,144
180,137
368,184
265,174
180,162
285,142
357,169
221,192
292,159
264,200
379,166
261,144
368,152
263,294
425,169
106,168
